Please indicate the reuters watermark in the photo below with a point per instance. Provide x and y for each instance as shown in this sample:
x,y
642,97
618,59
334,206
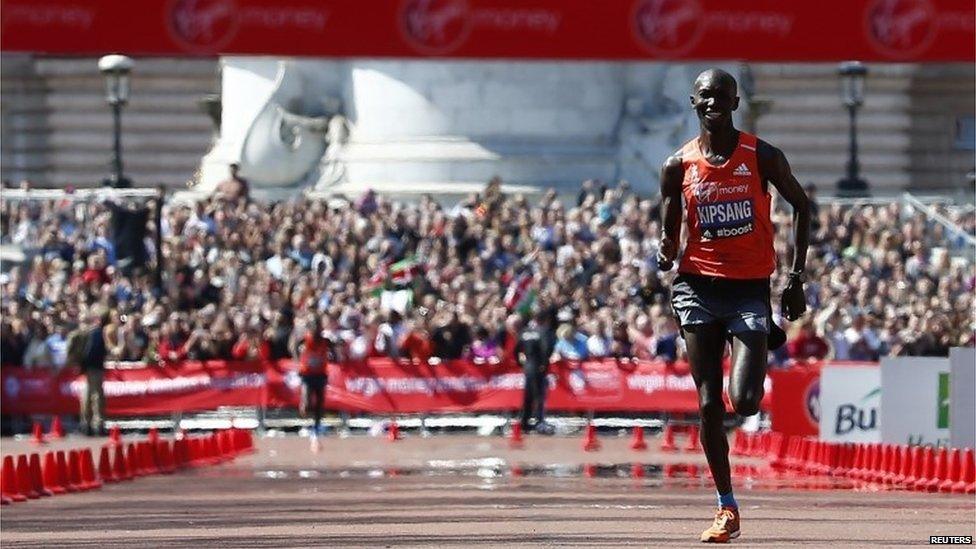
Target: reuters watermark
x,y
950,540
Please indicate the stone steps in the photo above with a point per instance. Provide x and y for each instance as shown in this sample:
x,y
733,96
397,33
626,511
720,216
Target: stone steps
x,y
63,126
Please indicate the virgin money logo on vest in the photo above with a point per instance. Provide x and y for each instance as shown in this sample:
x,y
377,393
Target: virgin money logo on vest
x,y
668,26
900,28
203,25
435,26
710,191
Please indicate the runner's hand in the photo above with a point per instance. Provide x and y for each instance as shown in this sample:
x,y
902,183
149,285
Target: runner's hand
x,y
793,302
666,254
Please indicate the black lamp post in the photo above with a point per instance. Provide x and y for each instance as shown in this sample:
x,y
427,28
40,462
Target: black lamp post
x,y
852,75
116,69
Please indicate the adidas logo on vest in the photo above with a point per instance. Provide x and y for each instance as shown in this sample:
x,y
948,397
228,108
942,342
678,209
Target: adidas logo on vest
x,y
742,169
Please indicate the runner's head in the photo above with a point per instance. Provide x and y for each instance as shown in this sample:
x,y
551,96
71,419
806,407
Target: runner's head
x,y
714,96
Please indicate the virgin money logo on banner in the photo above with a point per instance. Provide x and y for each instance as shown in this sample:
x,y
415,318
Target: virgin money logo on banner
x,y
435,26
203,25
668,26
900,28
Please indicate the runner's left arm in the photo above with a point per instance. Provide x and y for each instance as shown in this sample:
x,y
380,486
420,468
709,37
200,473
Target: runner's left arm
x,y
776,169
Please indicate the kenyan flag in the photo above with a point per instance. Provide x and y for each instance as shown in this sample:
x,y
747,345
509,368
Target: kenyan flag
x,y
395,275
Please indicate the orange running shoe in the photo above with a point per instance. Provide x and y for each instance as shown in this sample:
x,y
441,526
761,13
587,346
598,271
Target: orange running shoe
x,y
725,527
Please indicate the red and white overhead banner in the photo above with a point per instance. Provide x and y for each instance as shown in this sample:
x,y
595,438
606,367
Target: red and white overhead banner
x,y
378,386
755,30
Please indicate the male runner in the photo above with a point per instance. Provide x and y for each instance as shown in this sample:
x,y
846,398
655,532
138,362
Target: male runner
x,y
721,291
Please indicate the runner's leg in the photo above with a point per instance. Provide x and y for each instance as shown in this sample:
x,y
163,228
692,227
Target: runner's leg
x,y
749,360
706,345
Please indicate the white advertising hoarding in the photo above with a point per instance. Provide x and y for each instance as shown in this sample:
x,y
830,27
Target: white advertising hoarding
x,y
915,400
962,397
850,402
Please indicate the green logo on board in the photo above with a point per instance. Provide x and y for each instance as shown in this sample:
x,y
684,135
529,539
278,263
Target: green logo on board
x,y
943,420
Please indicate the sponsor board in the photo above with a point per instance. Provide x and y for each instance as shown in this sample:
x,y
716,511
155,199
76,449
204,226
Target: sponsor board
x,y
916,400
850,404
795,408
962,397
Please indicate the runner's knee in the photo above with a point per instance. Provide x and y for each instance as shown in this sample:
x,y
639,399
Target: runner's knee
x,y
745,402
712,409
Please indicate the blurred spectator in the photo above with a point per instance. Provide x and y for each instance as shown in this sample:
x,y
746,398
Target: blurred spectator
x,y
234,188
570,345
422,280
804,344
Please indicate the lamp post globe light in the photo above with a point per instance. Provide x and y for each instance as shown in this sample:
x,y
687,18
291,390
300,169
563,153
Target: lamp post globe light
x,y
116,69
852,75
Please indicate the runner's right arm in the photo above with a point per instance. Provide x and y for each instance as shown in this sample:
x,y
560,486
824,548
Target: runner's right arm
x,y
672,174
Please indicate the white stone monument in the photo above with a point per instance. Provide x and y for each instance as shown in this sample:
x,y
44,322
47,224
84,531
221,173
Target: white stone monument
x,y
447,127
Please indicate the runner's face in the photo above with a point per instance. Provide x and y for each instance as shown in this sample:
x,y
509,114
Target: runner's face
x,y
714,99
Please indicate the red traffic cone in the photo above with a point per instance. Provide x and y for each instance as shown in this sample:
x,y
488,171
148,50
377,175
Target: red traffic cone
x,y
24,481
105,466
147,457
120,468
38,436
694,444
179,453
64,472
590,442
165,456
115,435
57,431
778,447
860,459
9,481
637,441
52,477
589,470
738,443
894,466
517,471
515,435
887,451
915,469
393,432
905,470
667,445
954,474
37,479
88,477
941,471
670,470
636,470
968,473
74,471
928,469
132,460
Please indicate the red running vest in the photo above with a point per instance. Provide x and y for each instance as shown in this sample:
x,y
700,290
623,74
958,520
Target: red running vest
x,y
730,234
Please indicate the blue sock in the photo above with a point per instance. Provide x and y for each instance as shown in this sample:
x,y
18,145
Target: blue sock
x,y
727,500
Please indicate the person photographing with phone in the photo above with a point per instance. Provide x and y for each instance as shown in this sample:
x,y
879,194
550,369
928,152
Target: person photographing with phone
x,y
719,184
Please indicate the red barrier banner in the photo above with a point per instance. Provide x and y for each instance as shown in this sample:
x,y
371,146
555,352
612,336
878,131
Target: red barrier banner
x,y
377,386
795,406
38,391
758,30
190,386
388,386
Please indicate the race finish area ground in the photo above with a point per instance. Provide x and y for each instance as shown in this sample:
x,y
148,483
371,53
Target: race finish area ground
x,y
465,490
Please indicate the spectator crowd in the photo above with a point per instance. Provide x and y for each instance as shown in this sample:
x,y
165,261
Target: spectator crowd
x,y
241,279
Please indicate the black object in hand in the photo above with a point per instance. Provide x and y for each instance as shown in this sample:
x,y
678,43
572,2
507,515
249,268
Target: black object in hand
x,y
793,303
